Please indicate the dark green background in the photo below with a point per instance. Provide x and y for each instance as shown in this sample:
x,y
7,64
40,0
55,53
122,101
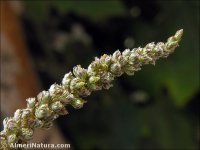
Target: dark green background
x,y
155,108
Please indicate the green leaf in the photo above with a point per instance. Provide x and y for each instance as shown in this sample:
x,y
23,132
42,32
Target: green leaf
x,y
93,9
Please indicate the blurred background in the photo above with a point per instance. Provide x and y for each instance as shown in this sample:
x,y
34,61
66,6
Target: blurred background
x,y
157,108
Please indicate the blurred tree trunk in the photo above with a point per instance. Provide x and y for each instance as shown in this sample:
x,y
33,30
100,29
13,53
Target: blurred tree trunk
x,y
18,78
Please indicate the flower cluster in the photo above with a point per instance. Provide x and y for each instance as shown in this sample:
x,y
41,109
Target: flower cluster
x,y
48,105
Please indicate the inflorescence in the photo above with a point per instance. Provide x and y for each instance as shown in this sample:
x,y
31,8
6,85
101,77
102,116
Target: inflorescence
x,y
48,105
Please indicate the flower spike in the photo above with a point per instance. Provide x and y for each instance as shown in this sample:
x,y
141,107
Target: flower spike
x,y
48,105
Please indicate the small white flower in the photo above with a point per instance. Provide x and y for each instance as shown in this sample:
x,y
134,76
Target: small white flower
x,y
43,111
78,103
116,69
27,133
80,72
56,106
67,79
12,138
31,102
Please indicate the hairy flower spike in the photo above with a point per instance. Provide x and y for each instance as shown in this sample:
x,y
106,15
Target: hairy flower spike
x,y
48,105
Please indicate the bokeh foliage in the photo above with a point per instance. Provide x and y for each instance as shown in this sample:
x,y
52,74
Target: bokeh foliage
x,y
166,117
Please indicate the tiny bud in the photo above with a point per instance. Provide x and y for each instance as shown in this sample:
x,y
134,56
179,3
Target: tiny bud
x,y
150,46
126,52
116,55
12,138
43,111
67,79
170,39
159,49
107,77
76,84
80,72
104,67
93,79
133,57
178,35
79,85
44,97
171,45
17,114
105,59
5,123
122,61
92,68
68,99
10,124
55,89
78,103
57,106
27,133
26,112
129,70
85,91
116,69
31,102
